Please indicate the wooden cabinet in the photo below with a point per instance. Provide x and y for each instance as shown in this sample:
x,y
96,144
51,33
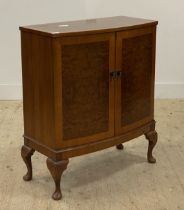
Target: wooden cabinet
x,y
87,85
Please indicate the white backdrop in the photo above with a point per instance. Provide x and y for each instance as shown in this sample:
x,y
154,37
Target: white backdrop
x,y
170,37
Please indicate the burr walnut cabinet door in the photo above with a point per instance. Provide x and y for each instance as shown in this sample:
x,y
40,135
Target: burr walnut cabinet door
x,y
135,51
87,101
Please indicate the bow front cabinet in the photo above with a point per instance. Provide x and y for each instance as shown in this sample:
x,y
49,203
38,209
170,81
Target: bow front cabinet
x,y
87,85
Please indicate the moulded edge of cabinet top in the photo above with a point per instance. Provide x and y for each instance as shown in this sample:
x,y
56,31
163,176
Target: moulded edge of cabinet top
x,y
99,25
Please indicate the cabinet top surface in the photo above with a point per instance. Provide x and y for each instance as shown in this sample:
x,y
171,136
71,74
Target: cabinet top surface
x,y
108,24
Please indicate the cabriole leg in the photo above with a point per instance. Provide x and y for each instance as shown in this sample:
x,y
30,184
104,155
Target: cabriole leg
x,y
152,138
56,169
26,153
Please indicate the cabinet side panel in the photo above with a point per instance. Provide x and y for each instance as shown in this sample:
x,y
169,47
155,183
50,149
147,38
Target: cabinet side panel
x,y
85,75
137,77
37,88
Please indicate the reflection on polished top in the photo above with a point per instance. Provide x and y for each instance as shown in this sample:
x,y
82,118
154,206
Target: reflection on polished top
x,y
89,26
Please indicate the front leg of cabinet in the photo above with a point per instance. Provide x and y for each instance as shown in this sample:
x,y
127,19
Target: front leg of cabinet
x,y
56,169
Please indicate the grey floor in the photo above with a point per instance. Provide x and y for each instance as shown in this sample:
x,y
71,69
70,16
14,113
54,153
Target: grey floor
x,y
108,179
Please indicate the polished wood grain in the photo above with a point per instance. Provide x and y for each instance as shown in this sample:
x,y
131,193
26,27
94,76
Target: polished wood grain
x,y
86,87
38,93
90,26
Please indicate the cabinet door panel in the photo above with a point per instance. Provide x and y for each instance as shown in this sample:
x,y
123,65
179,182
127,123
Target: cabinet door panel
x,y
135,89
87,90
